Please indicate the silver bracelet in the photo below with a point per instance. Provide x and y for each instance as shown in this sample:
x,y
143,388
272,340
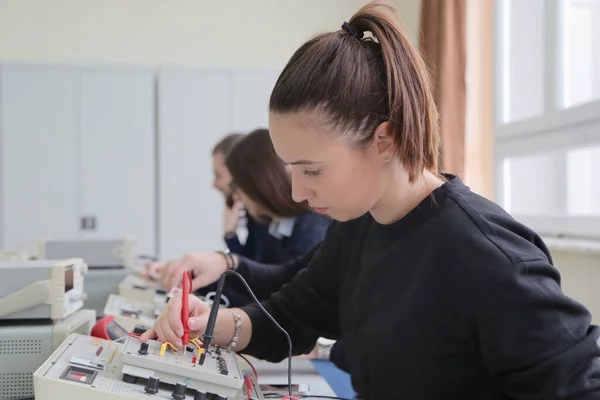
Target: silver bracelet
x,y
238,327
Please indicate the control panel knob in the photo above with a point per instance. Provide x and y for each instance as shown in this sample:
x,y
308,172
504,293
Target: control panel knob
x,y
200,396
152,385
179,393
143,349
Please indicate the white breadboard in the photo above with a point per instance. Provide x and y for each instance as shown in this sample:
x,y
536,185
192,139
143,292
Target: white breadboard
x,y
93,369
219,373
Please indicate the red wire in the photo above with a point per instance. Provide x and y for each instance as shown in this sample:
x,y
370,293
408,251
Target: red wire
x,y
186,289
256,378
249,386
251,366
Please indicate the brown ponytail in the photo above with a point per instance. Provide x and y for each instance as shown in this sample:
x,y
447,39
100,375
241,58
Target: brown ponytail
x,y
361,76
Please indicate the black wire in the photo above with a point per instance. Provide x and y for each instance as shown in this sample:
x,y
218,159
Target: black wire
x,y
287,336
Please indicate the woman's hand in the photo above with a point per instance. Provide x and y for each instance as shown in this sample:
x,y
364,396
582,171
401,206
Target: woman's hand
x,y
231,216
168,326
206,268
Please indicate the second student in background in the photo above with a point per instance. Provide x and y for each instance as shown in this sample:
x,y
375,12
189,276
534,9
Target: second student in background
x,y
259,182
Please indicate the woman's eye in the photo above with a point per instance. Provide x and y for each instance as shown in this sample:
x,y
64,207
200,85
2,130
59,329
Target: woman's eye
x,y
311,173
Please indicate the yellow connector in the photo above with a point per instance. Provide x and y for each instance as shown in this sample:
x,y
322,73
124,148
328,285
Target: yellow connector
x,y
163,348
197,345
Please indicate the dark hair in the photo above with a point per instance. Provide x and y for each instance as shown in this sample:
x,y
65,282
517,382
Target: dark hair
x,y
257,170
226,144
358,81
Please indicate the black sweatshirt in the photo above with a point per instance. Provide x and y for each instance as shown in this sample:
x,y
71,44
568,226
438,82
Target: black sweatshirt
x,y
454,301
265,279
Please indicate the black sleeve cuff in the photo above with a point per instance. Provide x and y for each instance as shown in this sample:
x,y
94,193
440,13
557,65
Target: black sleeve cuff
x,y
267,342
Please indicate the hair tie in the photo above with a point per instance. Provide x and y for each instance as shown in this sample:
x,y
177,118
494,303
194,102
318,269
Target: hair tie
x,y
352,30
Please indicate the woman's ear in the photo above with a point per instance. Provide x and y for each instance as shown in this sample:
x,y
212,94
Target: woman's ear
x,y
384,140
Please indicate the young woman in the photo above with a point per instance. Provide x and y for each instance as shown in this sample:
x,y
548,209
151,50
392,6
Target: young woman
x,y
260,182
255,232
437,292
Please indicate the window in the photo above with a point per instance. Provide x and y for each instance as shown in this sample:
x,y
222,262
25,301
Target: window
x,y
547,114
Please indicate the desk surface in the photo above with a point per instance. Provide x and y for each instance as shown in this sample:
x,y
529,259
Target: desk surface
x,y
304,372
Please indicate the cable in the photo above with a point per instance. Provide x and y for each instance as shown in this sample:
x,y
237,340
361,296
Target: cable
x,y
287,336
251,366
210,326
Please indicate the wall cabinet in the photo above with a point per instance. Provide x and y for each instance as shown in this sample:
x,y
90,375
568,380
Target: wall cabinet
x,y
76,144
108,152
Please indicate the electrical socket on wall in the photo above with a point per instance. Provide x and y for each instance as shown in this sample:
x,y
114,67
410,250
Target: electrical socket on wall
x,y
88,223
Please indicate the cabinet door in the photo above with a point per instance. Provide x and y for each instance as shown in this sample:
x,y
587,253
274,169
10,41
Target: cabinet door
x,y
194,113
251,92
118,155
40,154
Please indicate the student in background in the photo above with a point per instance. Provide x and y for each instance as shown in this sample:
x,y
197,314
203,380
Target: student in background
x,y
259,181
234,217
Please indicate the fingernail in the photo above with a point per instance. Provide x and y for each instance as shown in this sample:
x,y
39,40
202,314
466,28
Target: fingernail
x,y
179,332
192,323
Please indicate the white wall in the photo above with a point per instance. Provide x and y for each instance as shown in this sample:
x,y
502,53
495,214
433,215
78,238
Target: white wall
x,y
235,33
177,39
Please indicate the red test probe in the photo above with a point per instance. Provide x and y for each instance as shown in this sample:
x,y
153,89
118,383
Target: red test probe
x,y
186,289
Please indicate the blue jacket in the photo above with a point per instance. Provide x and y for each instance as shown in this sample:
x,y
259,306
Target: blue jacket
x,y
272,244
253,247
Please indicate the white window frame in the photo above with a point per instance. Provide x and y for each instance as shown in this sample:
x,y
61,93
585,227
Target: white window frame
x,y
557,128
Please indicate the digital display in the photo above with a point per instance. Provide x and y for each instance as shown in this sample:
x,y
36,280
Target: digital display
x,y
115,331
69,278
78,374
